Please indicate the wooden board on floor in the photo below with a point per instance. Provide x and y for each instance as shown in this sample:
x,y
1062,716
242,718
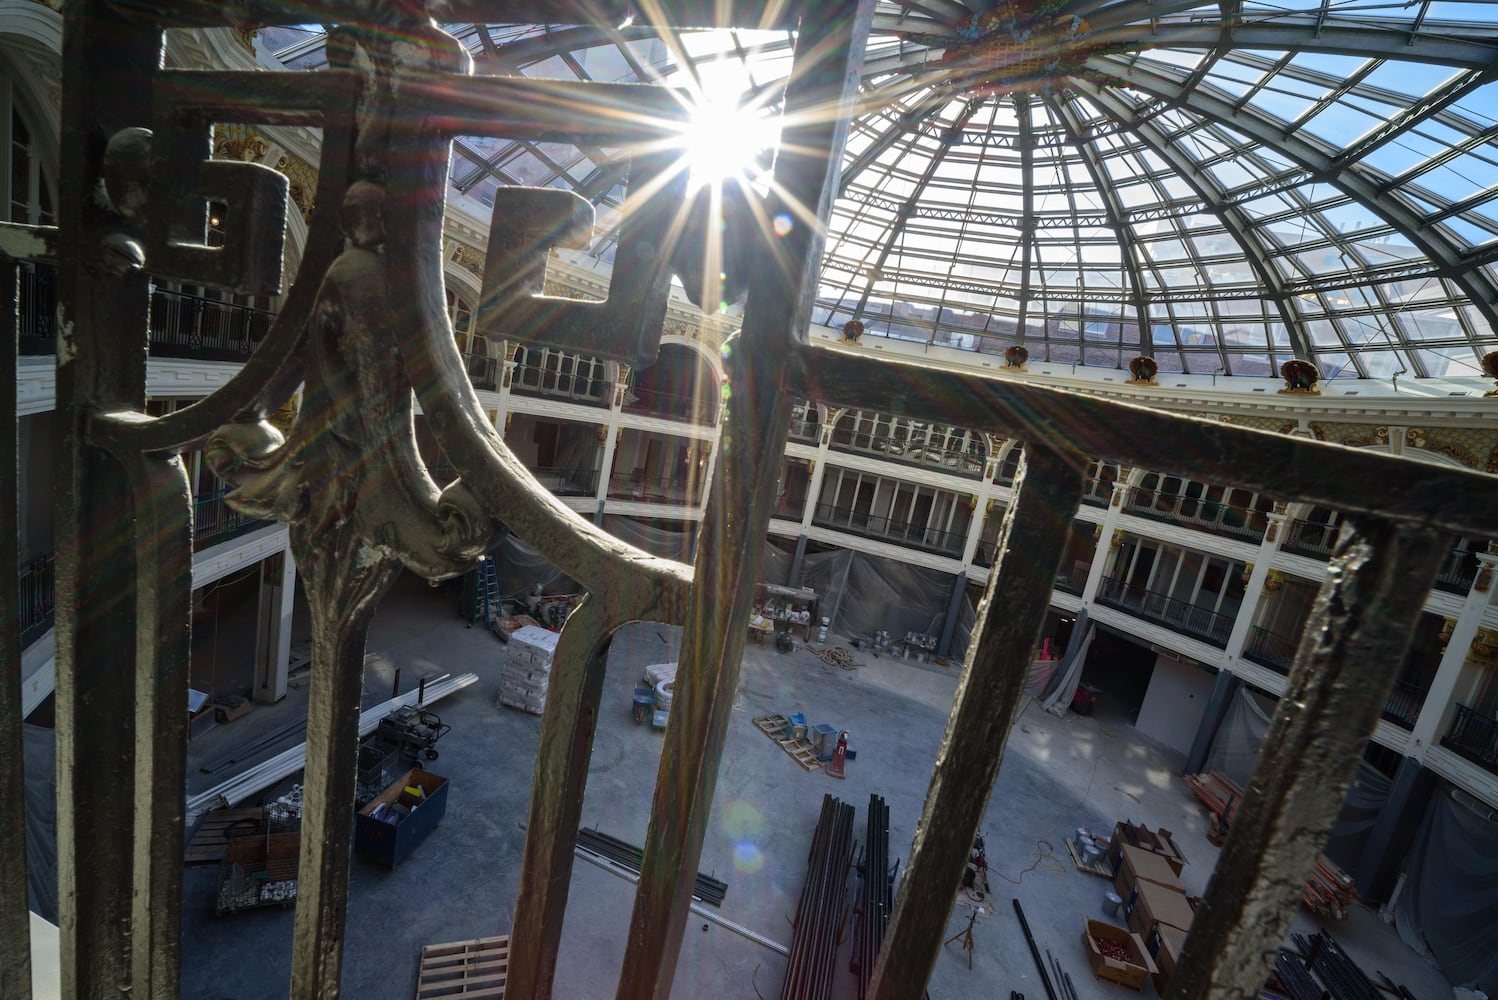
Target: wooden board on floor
x,y
800,751
1099,867
474,968
211,837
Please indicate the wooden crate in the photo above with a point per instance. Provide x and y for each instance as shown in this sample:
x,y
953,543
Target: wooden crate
x,y
474,968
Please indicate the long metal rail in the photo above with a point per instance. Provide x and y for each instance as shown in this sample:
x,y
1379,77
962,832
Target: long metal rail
x,y
809,973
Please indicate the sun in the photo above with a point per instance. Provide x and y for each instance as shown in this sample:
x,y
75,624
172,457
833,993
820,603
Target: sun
x,y
723,139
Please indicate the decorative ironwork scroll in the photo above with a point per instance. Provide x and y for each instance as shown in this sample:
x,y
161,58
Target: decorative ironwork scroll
x,y
364,328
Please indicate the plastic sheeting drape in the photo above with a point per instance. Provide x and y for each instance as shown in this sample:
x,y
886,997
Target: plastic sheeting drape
x,y
520,568
1365,800
1058,699
967,620
862,594
663,542
1236,745
774,563
39,751
1449,905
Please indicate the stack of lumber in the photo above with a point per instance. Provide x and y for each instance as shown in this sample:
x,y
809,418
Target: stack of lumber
x,y
1329,891
1221,795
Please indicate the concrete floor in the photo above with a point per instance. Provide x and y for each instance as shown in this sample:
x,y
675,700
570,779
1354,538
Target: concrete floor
x,y
461,882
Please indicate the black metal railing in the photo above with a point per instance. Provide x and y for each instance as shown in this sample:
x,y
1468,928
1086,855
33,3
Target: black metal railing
x,y
913,452
1474,736
36,309
483,371
538,380
1270,649
948,543
564,482
1458,571
1310,538
1208,515
663,489
806,431
987,554
1182,616
35,592
191,326
1099,492
696,409
1404,704
1071,582
214,521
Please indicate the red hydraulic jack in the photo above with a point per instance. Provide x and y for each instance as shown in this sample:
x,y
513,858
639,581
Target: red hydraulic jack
x,y
839,756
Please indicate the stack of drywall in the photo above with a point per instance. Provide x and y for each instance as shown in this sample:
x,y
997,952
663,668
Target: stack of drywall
x,y
527,669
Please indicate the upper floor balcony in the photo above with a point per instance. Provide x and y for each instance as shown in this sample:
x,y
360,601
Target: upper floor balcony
x,y
1458,571
1313,539
907,533
1181,616
555,375
689,408
675,491
36,305
1270,649
34,592
1474,735
204,329
1220,517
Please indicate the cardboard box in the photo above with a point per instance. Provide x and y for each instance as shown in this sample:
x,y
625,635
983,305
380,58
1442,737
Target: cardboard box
x,y
1153,904
1159,842
1134,865
1131,973
1165,946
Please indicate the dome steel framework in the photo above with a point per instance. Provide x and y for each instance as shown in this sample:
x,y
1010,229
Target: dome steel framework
x,y
1222,187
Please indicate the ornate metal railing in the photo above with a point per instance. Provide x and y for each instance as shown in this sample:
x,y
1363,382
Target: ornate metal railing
x,y
915,536
1310,538
1275,651
483,371
1182,616
536,380
36,597
215,520
671,405
192,326
1474,736
567,482
1404,703
1208,515
36,308
363,328
1458,571
656,489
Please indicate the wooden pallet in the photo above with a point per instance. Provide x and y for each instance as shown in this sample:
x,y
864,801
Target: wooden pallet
x,y
474,968
801,751
211,837
1099,867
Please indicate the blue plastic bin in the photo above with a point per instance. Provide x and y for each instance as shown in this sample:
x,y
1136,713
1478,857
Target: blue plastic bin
x,y
644,702
796,729
824,737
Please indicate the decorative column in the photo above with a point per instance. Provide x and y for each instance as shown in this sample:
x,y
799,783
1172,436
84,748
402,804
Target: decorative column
x,y
609,435
1253,585
1108,541
818,471
1435,714
975,527
273,631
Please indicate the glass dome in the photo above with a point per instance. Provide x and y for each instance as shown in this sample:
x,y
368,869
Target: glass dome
x,y
1100,180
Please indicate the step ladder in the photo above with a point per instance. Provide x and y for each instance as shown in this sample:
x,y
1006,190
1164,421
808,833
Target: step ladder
x,y
482,589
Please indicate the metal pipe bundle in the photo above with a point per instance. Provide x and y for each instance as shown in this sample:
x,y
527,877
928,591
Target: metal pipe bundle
x,y
876,896
808,974
628,857
1336,971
